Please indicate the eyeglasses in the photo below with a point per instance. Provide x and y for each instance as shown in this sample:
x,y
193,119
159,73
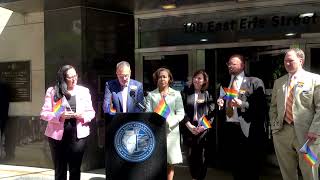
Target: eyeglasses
x,y
229,64
123,75
72,77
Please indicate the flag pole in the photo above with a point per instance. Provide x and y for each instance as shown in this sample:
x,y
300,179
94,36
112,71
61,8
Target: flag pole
x,y
315,171
314,168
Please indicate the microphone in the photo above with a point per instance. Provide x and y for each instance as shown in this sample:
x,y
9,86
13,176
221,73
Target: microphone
x,y
133,96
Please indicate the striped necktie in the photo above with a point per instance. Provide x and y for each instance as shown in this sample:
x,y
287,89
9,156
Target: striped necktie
x,y
289,102
229,110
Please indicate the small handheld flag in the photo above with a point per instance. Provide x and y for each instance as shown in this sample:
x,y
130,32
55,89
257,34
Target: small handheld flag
x,y
162,108
230,93
205,122
308,155
59,108
112,110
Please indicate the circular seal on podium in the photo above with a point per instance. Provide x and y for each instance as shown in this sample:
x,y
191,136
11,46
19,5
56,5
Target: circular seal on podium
x,y
134,141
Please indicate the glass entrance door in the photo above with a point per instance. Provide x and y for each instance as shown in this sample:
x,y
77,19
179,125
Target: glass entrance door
x,y
264,62
313,54
176,63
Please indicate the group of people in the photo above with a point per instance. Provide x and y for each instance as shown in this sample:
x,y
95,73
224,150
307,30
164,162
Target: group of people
x,y
294,117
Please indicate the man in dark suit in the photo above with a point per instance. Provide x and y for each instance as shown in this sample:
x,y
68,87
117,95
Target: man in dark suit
x,y
242,121
123,94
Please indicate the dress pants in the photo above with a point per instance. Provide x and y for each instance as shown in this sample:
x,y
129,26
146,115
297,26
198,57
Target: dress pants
x,y
287,150
68,152
197,157
243,156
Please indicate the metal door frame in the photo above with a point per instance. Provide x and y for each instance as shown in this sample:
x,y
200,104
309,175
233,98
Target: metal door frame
x,y
140,58
192,51
310,45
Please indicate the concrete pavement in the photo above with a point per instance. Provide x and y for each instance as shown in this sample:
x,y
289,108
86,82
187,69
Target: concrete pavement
x,y
10,172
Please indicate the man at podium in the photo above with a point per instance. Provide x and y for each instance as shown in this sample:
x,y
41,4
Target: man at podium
x,y
123,94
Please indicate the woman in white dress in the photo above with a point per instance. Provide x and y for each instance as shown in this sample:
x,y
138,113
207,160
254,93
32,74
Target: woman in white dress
x,y
163,78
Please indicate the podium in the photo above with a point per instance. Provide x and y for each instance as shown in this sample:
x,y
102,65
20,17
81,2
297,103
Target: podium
x,y
136,147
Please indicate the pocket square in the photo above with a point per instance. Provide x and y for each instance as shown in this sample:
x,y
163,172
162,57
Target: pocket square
x,y
306,92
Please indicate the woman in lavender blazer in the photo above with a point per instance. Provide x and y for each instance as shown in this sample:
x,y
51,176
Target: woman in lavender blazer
x,y
67,129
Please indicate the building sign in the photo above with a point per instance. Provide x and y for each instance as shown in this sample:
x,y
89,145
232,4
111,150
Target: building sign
x,y
249,23
17,76
234,25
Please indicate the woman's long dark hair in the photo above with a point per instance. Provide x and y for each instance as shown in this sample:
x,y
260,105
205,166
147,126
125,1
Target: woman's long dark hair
x,y
60,87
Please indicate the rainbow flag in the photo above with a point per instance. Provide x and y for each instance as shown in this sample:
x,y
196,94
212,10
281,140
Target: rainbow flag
x,y
162,109
59,108
205,122
230,93
112,110
308,155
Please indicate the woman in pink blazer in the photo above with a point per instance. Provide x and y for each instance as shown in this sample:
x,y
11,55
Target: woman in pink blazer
x,y
67,128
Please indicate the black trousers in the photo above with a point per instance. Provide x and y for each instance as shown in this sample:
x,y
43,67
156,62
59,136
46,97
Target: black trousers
x,y
197,158
243,155
68,152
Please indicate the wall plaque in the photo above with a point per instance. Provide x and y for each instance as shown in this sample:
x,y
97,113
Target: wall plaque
x,y
17,76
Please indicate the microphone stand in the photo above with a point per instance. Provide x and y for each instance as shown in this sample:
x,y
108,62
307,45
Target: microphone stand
x,y
133,96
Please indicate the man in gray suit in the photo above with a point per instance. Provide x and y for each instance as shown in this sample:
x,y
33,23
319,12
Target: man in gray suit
x,y
295,115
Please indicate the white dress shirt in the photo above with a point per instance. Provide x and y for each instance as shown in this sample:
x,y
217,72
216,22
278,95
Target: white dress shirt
x,y
124,94
235,117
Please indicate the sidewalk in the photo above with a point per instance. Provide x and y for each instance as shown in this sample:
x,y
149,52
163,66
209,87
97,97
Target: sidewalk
x,y
10,172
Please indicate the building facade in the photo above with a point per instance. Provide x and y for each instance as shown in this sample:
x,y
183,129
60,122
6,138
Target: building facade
x,y
94,35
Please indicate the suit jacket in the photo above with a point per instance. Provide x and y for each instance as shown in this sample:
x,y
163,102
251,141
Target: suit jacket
x,y
113,91
205,108
174,101
55,128
306,104
251,91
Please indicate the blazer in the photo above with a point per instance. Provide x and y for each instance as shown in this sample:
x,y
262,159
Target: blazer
x,y
174,101
205,108
251,91
55,128
306,104
113,91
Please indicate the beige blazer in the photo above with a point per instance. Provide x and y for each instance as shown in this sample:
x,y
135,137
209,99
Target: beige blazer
x,y
306,104
174,101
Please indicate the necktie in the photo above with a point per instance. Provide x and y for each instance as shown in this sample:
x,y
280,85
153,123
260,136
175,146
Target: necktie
x,y
229,110
288,114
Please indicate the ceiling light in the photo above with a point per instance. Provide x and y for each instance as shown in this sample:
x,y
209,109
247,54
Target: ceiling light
x,y
306,15
290,34
169,4
204,40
